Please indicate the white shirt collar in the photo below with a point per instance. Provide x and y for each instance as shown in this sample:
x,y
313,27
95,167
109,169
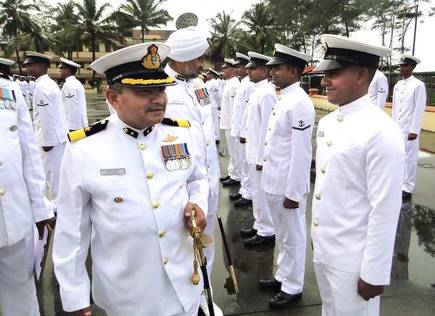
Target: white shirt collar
x,y
290,88
354,106
133,133
41,78
180,79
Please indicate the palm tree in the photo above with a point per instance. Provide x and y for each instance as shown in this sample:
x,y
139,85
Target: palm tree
x,y
95,26
260,22
15,18
224,36
65,29
143,14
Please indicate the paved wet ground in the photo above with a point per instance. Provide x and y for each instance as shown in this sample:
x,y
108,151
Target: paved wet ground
x,y
413,285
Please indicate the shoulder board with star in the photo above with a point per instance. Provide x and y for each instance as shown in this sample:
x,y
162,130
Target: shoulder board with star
x,y
87,131
175,122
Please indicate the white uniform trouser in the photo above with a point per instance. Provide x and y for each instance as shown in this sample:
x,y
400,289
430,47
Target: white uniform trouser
x,y
291,237
52,161
339,294
191,312
233,166
411,161
245,184
260,209
17,286
209,252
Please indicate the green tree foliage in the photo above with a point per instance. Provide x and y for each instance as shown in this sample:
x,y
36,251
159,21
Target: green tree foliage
x,y
14,20
141,13
225,31
260,22
96,26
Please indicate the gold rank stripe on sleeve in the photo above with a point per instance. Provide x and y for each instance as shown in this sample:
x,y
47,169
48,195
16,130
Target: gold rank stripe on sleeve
x,y
88,131
176,122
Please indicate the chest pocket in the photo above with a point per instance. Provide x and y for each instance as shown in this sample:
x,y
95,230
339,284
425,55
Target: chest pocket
x,y
120,198
8,123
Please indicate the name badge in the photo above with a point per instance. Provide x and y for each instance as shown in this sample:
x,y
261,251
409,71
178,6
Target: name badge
x,y
112,172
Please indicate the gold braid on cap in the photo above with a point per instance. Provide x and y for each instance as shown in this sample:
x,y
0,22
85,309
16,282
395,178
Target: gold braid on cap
x,y
133,81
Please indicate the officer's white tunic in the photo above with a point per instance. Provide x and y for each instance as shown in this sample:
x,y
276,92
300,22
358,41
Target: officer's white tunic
x,y
378,89
259,109
227,104
240,101
125,203
213,86
21,202
188,100
24,86
74,101
286,173
50,128
356,204
409,103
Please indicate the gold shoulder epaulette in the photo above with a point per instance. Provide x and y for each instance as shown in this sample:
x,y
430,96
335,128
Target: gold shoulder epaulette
x,y
87,131
176,122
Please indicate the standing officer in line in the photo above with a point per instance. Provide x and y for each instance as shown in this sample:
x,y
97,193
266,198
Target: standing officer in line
x,y
213,86
259,110
378,89
244,196
409,104
227,107
128,186
21,199
190,100
357,194
49,120
24,86
73,95
286,173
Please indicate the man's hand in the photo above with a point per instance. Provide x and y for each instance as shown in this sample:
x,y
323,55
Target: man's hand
x,y
47,148
242,140
368,291
290,203
412,136
83,312
258,167
199,216
49,223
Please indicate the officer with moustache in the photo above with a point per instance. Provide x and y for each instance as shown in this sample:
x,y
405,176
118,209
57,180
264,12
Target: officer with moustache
x,y
128,187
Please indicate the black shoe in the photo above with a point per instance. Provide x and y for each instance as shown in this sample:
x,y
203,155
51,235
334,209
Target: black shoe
x,y
230,182
406,196
235,196
226,178
248,233
258,240
282,299
242,202
272,284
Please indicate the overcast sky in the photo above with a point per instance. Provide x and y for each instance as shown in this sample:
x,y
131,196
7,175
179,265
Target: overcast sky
x,y
206,9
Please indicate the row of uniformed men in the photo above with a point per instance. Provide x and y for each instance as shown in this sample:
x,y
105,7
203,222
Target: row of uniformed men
x,y
27,86
128,190
269,142
106,195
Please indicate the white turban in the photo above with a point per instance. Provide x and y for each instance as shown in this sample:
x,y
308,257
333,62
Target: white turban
x,y
187,44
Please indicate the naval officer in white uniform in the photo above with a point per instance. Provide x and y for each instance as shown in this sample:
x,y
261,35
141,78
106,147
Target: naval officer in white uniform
x,y
409,104
244,196
49,120
259,109
73,95
128,186
22,202
190,99
286,173
357,194
232,82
